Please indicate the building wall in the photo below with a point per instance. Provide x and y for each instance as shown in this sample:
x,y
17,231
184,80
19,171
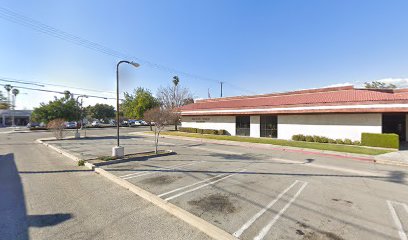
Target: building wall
x,y
255,122
210,122
329,125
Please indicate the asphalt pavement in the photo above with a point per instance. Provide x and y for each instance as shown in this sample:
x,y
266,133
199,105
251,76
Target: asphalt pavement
x,y
250,193
43,195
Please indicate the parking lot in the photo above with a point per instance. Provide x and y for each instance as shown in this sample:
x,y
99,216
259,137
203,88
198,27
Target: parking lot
x,y
274,194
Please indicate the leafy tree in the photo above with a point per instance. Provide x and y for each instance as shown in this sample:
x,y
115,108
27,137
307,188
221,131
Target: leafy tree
x,y
136,104
62,108
101,111
174,96
378,84
160,116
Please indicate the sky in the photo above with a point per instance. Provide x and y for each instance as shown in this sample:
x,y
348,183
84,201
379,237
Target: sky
x,y
255,47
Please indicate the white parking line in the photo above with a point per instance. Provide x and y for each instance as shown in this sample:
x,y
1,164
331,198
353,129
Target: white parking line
x,y
160,143
131,175
204,180
268,227
327,167
201,186
256,216
217,151
181,188
397,221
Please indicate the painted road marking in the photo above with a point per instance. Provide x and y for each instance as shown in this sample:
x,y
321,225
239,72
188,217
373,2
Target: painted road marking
x,y
217,151
160,143
268,227
260,213
156,171
327,167
204,180
181,188
397,220
201,186
143,173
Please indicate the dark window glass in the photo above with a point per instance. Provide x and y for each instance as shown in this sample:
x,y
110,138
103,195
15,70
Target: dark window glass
x,y
269,126
243,125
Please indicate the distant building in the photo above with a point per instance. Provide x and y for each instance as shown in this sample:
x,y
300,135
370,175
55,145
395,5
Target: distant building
x,y
21,117
337,112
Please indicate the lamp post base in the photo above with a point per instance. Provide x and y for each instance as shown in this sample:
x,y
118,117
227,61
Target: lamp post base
x,y
77,135
118,151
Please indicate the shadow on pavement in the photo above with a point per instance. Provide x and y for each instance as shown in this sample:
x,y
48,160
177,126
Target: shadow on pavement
x,y
14,221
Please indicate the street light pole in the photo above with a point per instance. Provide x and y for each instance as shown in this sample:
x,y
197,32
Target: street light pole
x,y
118,151
77,135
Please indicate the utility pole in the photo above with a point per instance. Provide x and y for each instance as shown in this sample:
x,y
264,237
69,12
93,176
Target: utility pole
x,y
221,87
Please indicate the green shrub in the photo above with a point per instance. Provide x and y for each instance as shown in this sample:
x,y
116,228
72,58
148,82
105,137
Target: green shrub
x,y
201,131
348,141
324,139
356,143
296,137
81,162
339,141
309,138
385,140
222,132
189,130
316,138
330,140
210,131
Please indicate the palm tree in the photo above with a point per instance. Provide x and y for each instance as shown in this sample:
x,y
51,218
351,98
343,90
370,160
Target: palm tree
x,y
8,88
15,92
176,80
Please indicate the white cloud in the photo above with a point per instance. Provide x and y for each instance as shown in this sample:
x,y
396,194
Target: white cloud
x,y
399,82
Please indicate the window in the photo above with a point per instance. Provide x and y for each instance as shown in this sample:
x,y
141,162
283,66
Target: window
x,y
242,125
269,126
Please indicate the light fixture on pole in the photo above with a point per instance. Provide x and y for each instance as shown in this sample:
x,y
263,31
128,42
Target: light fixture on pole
x,y
119,151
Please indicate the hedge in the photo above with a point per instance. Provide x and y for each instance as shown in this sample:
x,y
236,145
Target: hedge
x,y
203,131
385,140
320,139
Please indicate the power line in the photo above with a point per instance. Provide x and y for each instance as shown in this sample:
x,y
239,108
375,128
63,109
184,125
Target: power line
x,y
21,82
42,84
46,29
60,92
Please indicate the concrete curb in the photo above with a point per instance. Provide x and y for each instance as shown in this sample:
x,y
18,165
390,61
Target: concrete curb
x,y
65,153
359,157
178,212
168,152
202,225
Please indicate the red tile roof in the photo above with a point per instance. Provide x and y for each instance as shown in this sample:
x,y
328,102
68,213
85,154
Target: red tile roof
x,y
315,97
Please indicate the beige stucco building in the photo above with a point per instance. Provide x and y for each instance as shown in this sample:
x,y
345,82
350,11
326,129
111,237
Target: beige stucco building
x,y
339,112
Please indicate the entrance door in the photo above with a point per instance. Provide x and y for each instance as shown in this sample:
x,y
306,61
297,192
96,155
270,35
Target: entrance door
x,y
394,123
269,126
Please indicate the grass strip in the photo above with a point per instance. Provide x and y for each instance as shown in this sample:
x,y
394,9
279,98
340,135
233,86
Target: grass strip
x,y
280,142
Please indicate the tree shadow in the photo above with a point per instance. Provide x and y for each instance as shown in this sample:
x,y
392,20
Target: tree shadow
x,y
14,221
397,176
47,219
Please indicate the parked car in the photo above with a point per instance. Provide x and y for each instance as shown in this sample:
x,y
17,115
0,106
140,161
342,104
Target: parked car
x,y
33,125
71,125
96,124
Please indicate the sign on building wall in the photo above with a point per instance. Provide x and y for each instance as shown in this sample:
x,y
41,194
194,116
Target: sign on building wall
x,y
200,119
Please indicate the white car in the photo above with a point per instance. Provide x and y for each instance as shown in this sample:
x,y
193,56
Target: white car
x,y
96,124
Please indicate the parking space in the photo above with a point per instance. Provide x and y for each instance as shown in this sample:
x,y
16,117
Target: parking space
x,y
271,194
258,195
